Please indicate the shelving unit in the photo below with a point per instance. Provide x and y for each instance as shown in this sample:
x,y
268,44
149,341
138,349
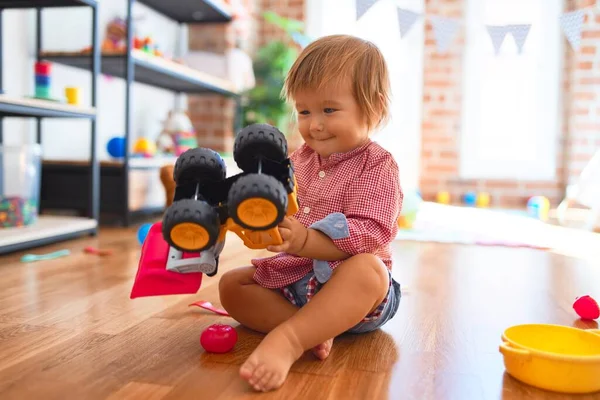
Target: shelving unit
x,y
50,229
150,70
136,66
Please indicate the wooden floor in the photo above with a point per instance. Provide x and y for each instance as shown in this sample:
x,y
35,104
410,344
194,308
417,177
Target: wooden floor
x,y
68,329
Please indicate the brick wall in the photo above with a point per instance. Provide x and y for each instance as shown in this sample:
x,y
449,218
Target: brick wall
x,y
213,115
582,95
442,100
442,82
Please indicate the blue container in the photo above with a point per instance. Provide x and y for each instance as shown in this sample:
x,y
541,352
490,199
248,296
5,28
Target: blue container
x,y
20,179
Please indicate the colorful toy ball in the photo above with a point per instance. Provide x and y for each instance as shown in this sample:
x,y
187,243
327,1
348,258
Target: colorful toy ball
x,y
483,200
587,308
116,147
218,338
443,197
143,232
145,147
470,198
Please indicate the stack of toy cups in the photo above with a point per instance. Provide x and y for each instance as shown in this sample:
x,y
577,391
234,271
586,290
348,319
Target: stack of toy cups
x,y
42,79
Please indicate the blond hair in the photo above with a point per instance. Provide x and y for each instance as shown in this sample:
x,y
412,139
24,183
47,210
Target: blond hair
x,y
333,59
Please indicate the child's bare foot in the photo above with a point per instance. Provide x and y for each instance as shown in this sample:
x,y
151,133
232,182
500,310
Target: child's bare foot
x,y
322,351
268,366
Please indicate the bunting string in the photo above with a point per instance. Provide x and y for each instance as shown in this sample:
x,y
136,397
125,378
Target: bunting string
x,y
445,29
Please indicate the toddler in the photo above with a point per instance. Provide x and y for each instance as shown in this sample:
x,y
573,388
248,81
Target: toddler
x,y
332,273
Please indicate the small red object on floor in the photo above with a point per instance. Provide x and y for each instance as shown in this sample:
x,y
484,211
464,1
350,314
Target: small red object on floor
x,y
218,338
207,305
586,307
93,250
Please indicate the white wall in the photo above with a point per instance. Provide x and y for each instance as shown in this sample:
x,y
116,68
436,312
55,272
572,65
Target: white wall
x,y
402,136
69,29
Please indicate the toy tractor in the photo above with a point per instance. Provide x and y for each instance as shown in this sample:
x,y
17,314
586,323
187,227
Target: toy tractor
x,y
207,204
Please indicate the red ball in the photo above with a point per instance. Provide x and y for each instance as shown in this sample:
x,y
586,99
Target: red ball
x,y
586,308
218,338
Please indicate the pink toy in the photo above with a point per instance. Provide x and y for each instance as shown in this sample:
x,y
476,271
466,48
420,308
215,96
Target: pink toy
x,y
207,305
218,338
154,277
586,307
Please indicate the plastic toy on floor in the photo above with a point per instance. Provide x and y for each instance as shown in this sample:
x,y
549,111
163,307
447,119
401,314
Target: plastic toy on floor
x,y
206,204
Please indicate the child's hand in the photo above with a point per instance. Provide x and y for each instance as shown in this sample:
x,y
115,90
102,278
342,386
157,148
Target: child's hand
x,y
294,236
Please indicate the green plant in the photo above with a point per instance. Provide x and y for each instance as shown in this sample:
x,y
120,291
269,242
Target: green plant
x,y
264,103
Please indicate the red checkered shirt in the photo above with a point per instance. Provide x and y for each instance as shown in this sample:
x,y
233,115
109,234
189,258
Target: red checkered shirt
x,y
363,184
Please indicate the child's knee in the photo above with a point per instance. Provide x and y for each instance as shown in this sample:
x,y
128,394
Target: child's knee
x,y
370,271
231,282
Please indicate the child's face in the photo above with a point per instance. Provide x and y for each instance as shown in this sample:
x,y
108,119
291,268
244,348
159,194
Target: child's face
x,y
330,120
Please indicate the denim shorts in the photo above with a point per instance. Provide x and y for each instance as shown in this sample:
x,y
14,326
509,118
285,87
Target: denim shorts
x,y
298,293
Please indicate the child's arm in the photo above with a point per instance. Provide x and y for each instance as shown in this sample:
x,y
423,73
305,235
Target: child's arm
x,y
304,242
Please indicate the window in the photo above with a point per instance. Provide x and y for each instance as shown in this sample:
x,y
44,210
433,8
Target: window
x,y
511,119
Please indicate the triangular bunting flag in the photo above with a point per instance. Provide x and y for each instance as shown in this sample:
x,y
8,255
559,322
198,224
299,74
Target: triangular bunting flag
x,y
497,34
571,24
406,19
519,32
362,6
444,30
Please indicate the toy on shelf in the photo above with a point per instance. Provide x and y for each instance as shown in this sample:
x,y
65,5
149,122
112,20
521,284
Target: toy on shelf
x,y
73,95
116,147
538,207
20,169
43,80
178,134
207,204
115,39
144,147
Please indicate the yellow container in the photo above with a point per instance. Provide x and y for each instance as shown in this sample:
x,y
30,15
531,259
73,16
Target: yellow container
x,y
73,95
553,357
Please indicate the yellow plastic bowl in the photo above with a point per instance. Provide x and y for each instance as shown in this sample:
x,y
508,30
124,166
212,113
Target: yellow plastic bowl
x,y
553,357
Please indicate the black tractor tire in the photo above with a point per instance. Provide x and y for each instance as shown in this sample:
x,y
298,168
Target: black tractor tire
x,y
258,141
257,186
190,212
199,165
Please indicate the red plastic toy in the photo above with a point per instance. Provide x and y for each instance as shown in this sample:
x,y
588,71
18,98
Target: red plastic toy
x,y
587,308
218,338
153,278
